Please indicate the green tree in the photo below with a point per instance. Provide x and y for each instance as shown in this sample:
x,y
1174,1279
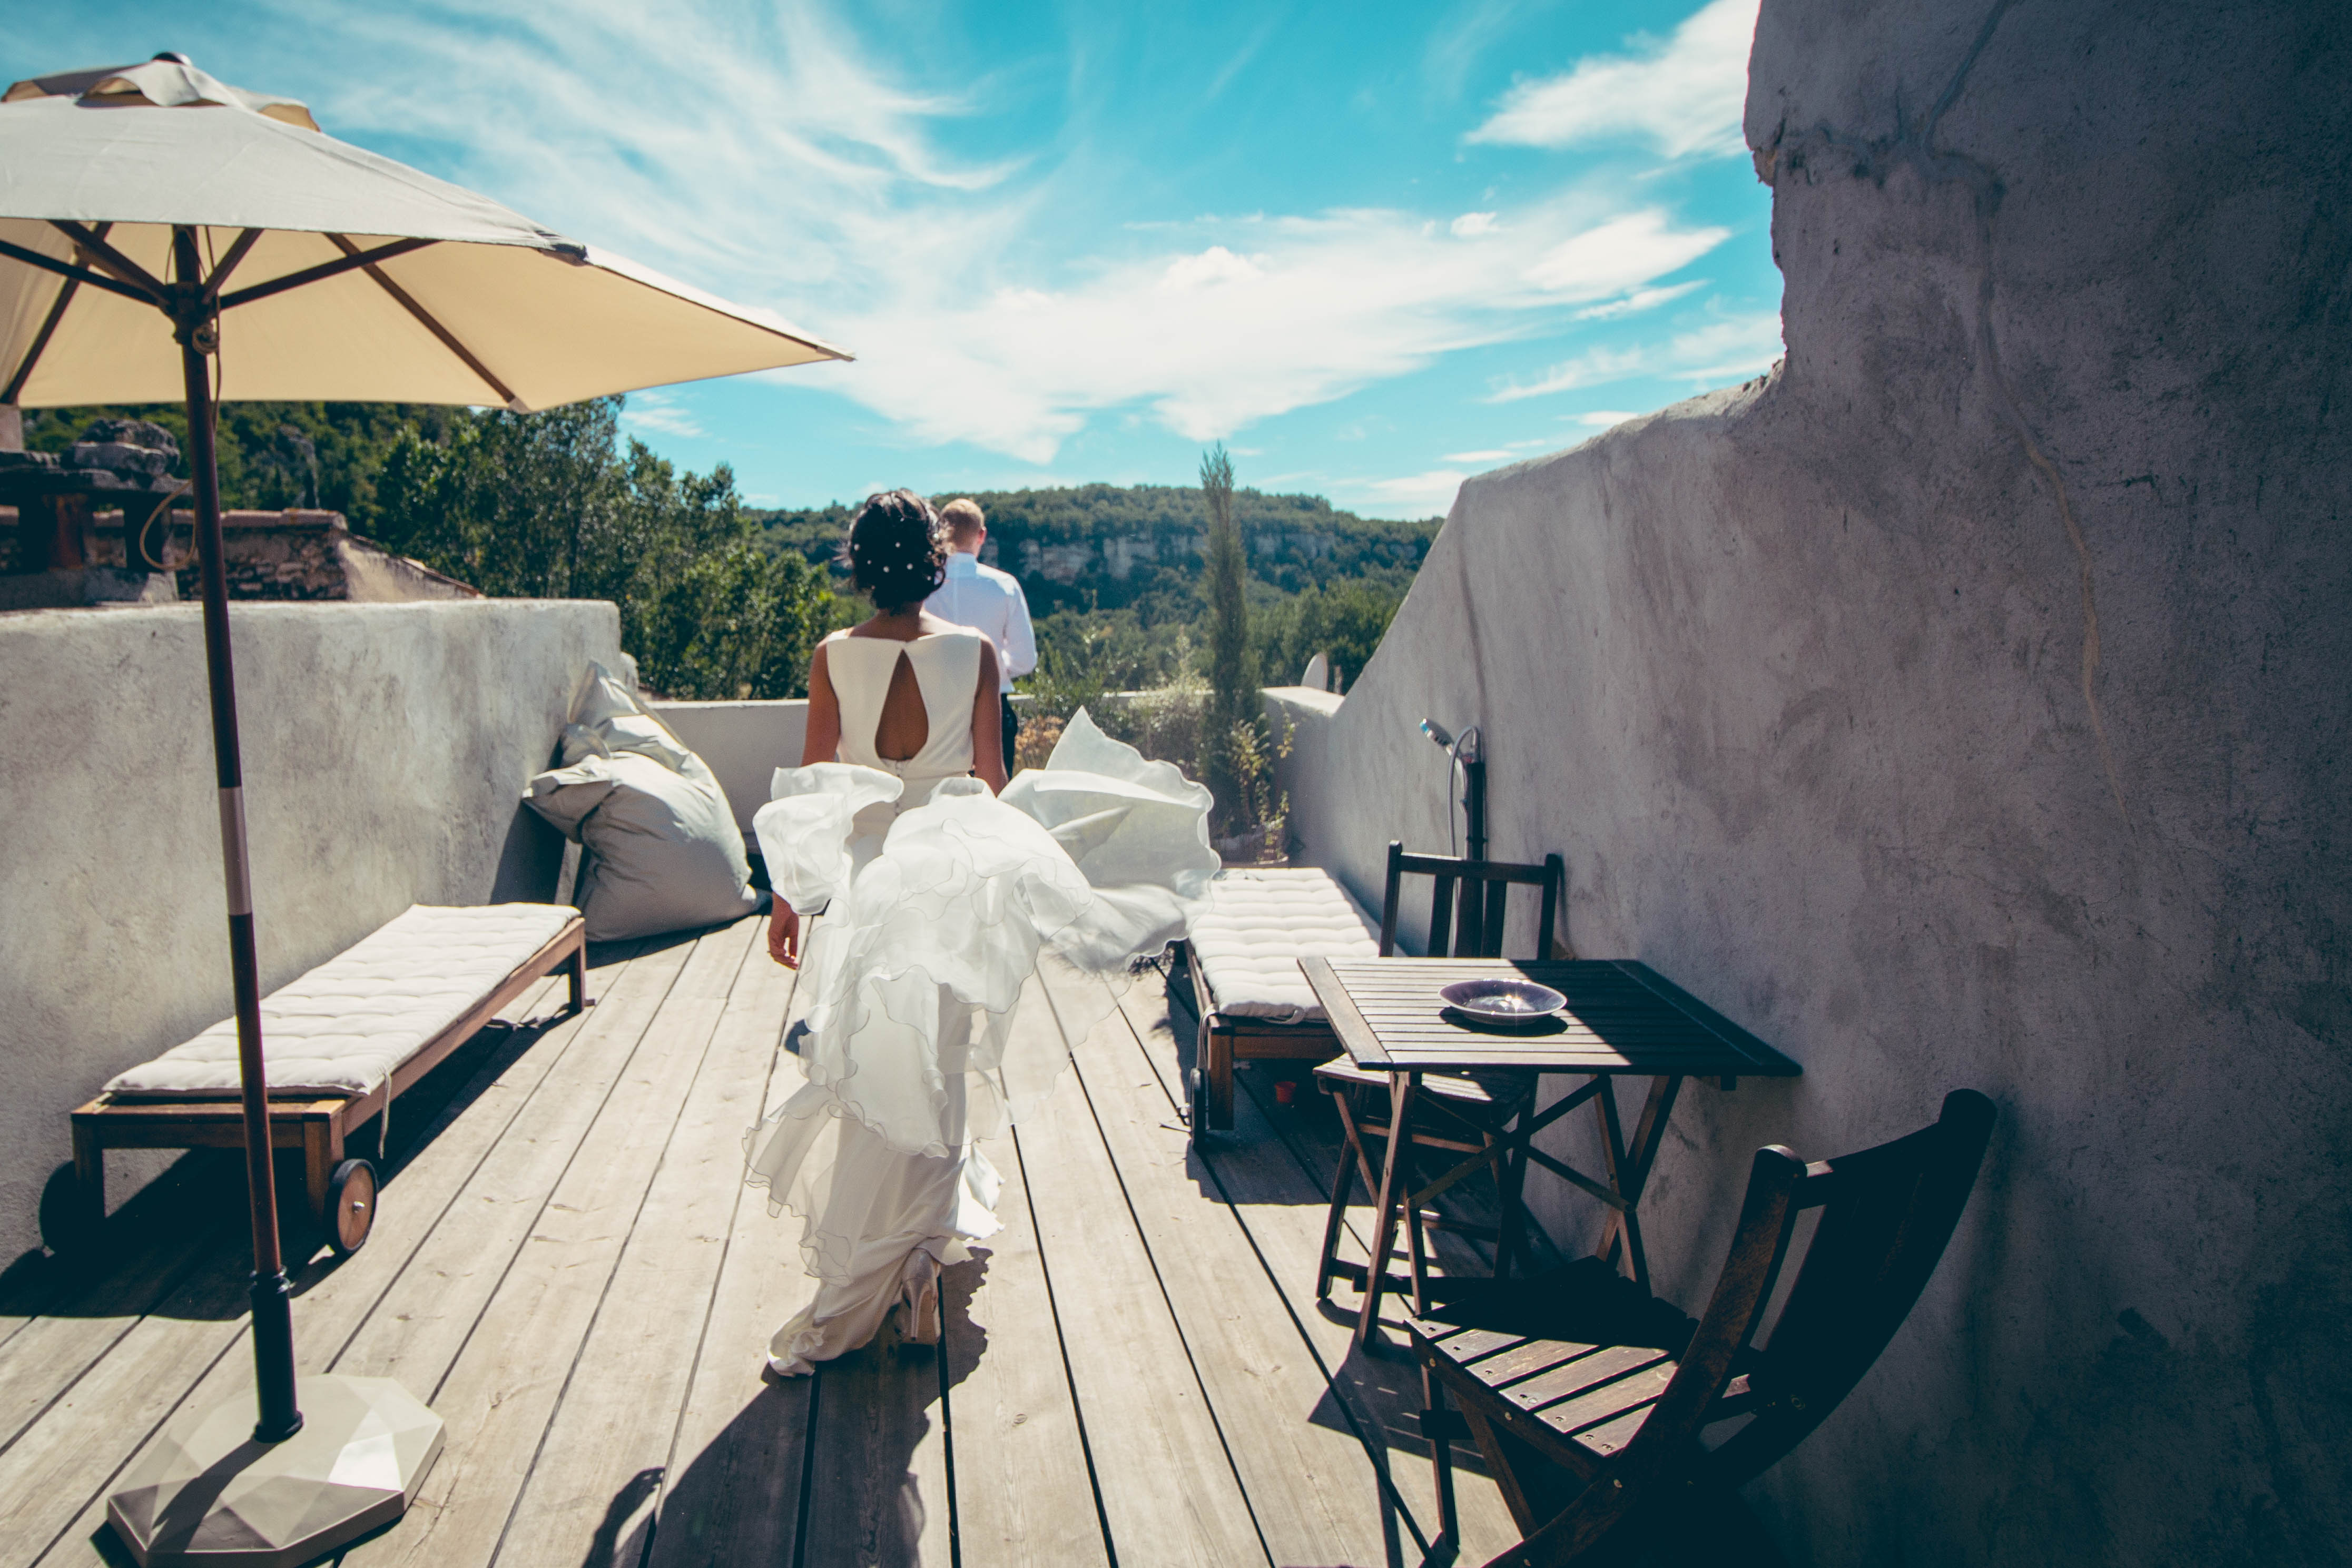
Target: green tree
x,y
1227,592
552,505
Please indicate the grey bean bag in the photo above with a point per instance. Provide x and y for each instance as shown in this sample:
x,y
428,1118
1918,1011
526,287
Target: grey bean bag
x,y
664,852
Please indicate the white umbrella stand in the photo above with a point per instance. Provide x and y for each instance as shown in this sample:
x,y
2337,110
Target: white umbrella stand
x,y
162,235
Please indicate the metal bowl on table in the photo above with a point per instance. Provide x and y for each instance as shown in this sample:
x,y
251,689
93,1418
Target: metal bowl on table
x,y
1502,1003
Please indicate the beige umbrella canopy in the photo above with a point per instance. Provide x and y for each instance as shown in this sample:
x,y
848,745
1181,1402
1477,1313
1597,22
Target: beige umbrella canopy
x,y
459,301
165,235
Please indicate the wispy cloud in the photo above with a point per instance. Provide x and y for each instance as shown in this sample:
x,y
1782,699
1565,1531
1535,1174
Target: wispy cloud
x,y
1683,94
1722,351
1210,340
1420,494
1641,299
659,410
772,156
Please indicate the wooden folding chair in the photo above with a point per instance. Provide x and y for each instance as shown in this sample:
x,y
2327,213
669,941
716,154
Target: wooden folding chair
x,y
1467,1115
1585,1372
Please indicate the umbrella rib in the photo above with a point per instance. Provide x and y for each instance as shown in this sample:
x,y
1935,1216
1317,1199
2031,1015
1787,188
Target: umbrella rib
x,y
112,259
427,320
65,292
78,273
227,264
321,272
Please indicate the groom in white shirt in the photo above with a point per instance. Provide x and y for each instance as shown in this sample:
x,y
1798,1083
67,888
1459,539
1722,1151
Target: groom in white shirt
x,y
985,600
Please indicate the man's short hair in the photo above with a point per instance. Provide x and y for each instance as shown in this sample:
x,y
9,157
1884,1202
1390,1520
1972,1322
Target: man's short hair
x,y
963,519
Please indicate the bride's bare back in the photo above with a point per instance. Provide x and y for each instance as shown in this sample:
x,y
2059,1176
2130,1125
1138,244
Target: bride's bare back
x,y
904,727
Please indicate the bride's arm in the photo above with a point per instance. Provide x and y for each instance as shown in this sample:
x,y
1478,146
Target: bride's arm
x,y
822,740
987,722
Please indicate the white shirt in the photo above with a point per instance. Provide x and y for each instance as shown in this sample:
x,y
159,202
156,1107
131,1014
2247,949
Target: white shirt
x,y
990,601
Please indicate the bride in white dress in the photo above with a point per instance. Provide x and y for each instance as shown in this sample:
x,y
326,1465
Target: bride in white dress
x,y
945,895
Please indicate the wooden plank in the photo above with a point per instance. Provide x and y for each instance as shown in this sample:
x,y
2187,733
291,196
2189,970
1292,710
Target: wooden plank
x,y
1169,1493
425,1314
595,1484
509,1372
1356,1036
731,1489
1023,1490
1280,1191
1312,1487
878,1495
148,1251
170,1364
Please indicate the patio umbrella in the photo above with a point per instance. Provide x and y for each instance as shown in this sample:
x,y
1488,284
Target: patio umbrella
x,y
165,235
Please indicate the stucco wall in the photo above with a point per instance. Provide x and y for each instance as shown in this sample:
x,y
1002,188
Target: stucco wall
x,y
743,743
386,748
1966,704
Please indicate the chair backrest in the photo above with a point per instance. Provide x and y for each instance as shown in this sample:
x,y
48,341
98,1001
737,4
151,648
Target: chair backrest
x,y
1887,1215
1479,932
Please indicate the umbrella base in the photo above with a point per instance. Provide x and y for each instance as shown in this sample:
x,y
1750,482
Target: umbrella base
x,y
206,1493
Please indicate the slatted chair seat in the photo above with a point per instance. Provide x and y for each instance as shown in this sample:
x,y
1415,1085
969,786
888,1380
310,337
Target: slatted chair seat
x,y
1585,1369
1591,1354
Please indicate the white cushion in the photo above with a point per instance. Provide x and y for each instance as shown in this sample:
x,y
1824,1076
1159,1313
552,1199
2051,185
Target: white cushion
x,y
343,1028
1260,923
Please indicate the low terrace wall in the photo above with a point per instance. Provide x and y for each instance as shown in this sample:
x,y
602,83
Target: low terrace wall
x,y
386,748
1967,705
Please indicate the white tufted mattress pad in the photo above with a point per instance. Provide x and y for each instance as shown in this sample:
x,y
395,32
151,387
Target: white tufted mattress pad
x,y
1260,922
344,1027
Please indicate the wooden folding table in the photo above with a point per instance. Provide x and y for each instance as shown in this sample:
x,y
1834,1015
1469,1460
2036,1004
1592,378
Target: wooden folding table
x,y
1622,1019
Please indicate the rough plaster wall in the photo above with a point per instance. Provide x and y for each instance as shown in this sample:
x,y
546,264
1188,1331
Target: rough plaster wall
x,y
386,748
1966,703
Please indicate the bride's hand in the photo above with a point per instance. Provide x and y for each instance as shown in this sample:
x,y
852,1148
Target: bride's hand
x,y
784,934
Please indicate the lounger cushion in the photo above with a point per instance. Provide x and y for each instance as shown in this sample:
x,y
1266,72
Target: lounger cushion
x,y
1259,924
343,1028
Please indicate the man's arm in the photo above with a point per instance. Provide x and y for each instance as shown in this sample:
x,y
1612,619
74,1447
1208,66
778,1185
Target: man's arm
x,y
1020,638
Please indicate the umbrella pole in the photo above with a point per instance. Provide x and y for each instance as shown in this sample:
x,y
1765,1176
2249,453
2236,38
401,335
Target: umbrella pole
x,y
273,1315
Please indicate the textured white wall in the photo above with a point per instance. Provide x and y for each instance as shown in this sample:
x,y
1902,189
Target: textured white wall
x,y
1794,676
385,746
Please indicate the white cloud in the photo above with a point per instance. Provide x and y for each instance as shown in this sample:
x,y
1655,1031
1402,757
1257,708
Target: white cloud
x,y
659,412
1638,300
1622,253
1497,455
1684,94
1723,351
1604,418
1211,341
766,155
1416,495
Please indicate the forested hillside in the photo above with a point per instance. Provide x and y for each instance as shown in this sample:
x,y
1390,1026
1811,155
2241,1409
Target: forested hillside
x,y
720,600
1114,577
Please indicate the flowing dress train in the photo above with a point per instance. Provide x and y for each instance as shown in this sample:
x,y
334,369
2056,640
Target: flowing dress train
x,y
945,911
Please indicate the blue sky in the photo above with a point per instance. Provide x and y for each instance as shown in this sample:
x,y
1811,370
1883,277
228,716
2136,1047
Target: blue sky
x,y
1372,248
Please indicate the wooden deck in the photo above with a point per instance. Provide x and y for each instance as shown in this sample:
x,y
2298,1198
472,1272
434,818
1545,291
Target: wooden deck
x,y
568,1269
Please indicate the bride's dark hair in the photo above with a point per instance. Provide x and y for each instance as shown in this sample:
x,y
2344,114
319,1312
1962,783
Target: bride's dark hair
x,y
896,552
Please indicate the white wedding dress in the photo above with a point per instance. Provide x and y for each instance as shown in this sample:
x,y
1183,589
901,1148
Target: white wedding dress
x,y
942,905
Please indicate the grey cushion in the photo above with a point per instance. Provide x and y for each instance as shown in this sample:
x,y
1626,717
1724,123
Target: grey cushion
x,y
664,852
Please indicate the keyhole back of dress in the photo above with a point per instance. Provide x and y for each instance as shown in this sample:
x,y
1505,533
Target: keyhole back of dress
x,y
905,726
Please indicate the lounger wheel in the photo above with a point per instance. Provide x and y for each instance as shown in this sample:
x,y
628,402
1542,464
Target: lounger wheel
x,y
1200,1086
351,1206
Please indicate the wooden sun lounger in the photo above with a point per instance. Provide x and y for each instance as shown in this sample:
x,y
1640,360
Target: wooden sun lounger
x,y
1253,1002
315,1122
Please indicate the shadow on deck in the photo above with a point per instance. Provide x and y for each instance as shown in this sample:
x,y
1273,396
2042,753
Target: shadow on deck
x,y
567,1267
